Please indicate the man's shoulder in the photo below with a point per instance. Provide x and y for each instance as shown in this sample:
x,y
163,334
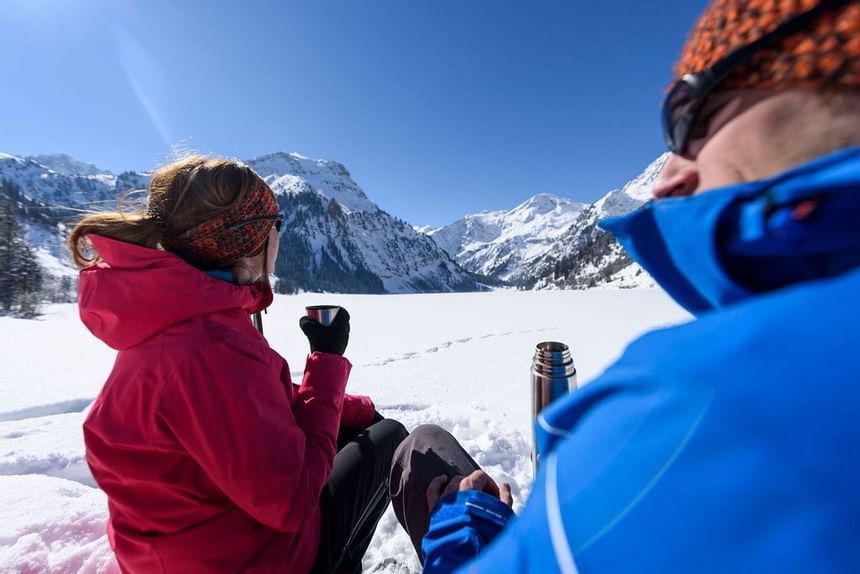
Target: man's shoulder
x,y
754,406
815,321
780,357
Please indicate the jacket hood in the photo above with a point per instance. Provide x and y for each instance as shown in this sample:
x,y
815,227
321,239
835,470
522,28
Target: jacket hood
x,y
136,292
723,246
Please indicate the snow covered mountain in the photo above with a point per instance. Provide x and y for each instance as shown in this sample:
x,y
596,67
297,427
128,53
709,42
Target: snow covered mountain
x,y
585,255
335,238
550,242
499,244
47,191
65,188
292,173
67,165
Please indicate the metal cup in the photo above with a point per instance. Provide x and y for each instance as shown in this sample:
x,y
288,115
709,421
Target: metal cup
x,y
553,375
324,314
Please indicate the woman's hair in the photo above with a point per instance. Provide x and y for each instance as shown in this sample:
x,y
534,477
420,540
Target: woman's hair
x,y
182,196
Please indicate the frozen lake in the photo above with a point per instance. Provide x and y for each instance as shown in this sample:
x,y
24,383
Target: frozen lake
x,y
458,360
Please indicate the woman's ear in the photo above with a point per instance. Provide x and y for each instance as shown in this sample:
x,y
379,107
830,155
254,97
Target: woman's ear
x,y
248,270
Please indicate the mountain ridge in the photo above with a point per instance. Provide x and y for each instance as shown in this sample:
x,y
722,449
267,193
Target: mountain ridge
x,y
569,251
336,239
586,256
497,243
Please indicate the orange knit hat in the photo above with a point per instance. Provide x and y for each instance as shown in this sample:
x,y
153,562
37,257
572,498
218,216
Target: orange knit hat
x,y
826,54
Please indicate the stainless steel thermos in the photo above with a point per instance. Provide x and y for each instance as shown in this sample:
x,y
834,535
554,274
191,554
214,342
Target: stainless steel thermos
x,y
553,376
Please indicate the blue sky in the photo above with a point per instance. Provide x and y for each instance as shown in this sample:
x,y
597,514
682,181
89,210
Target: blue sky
x,y
437,108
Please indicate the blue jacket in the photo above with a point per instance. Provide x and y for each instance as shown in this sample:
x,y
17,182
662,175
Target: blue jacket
x,y
727,444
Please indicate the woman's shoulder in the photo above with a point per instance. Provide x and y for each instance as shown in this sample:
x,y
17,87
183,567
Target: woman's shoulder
x,y
207,356
207,335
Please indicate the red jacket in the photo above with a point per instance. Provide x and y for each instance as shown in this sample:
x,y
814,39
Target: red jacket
x,y
212,460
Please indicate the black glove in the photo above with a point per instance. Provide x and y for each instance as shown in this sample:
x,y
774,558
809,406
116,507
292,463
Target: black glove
x,y
332,339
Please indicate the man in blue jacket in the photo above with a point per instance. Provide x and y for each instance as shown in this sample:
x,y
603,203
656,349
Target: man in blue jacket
x,y
730,443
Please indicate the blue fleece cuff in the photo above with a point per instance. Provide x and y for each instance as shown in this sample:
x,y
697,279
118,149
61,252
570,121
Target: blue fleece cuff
x,y
460,527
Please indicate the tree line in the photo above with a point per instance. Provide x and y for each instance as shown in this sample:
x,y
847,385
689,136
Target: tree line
x,y
21,278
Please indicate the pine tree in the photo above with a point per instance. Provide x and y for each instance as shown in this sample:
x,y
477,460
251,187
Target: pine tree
x,y
20,275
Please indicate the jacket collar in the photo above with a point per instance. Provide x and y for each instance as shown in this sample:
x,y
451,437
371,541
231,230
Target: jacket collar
x,y
135,292
726,245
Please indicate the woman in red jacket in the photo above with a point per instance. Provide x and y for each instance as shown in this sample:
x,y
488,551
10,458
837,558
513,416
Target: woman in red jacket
x,y
211,458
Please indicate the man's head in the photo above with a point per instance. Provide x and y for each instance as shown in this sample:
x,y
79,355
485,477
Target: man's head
x,y
762,86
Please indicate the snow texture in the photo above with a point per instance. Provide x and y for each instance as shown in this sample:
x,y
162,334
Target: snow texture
x,y
458,360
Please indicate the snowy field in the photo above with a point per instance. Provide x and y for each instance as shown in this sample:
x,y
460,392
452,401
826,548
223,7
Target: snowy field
x,y
461,361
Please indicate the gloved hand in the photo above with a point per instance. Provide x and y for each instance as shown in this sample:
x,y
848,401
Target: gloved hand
x,y
332,339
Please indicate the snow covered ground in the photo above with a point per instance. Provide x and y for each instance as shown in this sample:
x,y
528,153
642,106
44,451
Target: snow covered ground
x,y
459,360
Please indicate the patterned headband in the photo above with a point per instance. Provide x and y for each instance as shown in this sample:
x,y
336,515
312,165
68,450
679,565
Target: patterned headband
x,y
241,231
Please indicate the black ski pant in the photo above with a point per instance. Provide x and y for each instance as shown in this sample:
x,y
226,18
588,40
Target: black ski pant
x,y
356,494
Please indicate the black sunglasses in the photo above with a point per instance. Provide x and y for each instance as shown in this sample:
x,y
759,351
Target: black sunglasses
x,y
686,98
278,219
